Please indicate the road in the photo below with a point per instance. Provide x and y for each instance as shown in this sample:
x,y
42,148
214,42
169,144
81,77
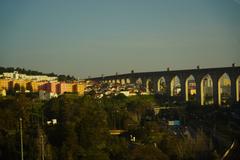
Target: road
x,y
233,152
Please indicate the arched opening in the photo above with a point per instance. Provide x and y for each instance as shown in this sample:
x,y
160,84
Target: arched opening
x,y
224,90
139,84
190,89
149,86
238,89
161,85
128,81
118,81
123,81
175,86
206,90
139,81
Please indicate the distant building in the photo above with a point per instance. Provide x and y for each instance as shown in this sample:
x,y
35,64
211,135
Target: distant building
x,y
74,87
18,85
63,87
44,95
4,84
192,87
226,82
79,88
3,92
15,75
128,93
50,87
25,83
207,82
35,86
7,75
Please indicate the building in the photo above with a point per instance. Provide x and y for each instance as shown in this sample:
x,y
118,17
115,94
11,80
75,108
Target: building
x,y
50,87
18,85
74,87
35,86
192,87
79,88
3,92
44,95
16,75
15,82
4,84
225,82
64,87
7,75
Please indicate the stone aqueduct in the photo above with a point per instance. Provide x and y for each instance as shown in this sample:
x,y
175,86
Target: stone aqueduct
x,y
198,74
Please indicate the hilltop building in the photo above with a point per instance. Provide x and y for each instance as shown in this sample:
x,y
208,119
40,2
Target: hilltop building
x,y
15,82
16,75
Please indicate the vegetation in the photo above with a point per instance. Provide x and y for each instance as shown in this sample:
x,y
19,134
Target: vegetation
x,y
82,130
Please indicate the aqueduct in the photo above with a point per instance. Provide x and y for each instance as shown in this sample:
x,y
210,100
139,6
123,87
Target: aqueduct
x,y
206,86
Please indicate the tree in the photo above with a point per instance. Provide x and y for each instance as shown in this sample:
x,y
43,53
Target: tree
x,y
147,152
82,127
118,148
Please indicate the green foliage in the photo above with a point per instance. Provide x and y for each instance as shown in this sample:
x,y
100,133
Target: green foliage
x,y
66,78
83,124
118,148
82,127
11,110
147,152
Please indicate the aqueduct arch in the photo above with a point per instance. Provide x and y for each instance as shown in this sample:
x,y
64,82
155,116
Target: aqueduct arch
x,y
237,88
224,89
123,81
175,86
149,86
161,85
190,88
208,82
206,90
128,81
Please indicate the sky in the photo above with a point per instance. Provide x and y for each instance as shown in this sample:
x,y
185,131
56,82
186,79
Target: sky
x,y
94,37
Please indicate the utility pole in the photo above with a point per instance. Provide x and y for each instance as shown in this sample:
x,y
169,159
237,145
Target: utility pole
x,y
42,137
21,138
42,146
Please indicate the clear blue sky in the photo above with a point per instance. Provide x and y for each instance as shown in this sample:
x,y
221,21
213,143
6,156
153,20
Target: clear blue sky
x,y
91,37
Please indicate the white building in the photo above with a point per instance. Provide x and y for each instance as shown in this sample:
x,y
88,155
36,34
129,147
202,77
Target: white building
x,y
16,75
43,95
